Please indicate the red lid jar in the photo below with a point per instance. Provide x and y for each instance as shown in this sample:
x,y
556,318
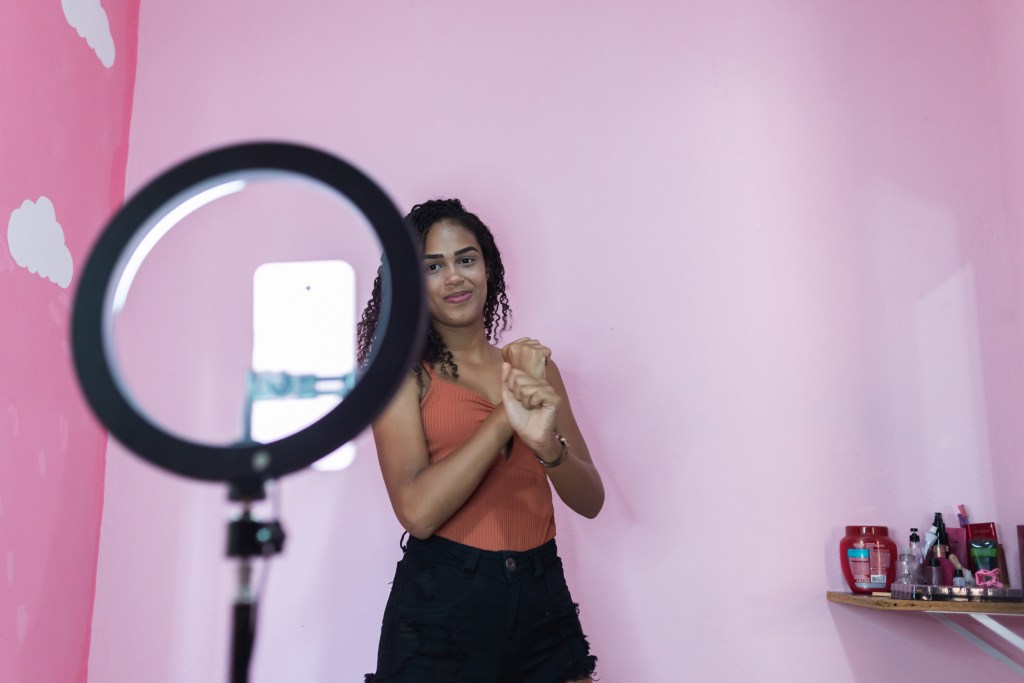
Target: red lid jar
x,y
868,558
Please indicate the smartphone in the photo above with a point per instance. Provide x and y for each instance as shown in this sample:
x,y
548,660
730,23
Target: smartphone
x,y
304,326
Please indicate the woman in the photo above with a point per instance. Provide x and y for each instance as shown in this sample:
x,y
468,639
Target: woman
x,y
467,448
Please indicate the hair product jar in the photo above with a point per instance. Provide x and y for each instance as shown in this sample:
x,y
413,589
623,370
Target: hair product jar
x,y
868,557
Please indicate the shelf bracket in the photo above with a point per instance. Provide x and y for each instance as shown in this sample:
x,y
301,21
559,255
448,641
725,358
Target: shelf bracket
x,y
994,627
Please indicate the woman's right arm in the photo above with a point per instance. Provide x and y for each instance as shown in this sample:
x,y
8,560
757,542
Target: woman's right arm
x,y
424,495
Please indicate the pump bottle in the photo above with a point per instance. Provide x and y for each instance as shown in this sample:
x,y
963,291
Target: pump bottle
x,y
917,554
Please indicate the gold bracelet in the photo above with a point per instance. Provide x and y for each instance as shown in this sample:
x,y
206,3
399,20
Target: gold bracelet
x,y
561,455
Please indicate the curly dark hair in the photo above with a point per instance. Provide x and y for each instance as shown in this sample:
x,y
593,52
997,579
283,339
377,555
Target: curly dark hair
x,y
497,313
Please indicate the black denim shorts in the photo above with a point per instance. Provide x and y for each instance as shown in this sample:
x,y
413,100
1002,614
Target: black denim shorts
x,y
460,614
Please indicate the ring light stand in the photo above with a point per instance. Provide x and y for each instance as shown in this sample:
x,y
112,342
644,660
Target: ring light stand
x,y
246,465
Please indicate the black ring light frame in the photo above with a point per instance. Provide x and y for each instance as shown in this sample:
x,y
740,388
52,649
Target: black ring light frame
x,y
248,465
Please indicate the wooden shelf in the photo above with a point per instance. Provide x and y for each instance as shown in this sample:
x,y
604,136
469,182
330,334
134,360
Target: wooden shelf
x,y
949,612
947,606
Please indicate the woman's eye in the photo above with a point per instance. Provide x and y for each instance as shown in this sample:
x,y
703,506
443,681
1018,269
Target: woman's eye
x,y
433,267
467,260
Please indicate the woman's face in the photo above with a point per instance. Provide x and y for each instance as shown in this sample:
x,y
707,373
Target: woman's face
x,y
455,274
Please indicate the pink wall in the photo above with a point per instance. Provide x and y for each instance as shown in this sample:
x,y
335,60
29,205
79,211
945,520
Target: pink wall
x,y
775,251
1005,23
64,114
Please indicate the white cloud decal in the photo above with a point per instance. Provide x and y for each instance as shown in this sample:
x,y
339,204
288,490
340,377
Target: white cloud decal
x,y
90,20
36,241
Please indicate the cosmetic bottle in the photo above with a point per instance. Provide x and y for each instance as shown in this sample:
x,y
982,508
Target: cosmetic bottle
x,y
933,573
918,554
941,537
946,567
958,578
905,566
968,577
930,537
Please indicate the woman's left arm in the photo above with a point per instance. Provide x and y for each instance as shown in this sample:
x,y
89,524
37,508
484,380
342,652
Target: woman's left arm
x,y
575,478
538,406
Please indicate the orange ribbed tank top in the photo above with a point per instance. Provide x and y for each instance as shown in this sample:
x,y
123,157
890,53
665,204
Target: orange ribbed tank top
x,y
511,509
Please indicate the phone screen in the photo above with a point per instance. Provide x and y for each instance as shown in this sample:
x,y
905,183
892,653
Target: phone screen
x,y
304,323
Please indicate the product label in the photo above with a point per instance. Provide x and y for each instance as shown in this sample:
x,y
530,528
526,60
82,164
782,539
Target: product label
x,y
869,566
985,558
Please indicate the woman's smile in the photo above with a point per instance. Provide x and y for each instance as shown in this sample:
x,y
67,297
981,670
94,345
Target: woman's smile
x,y
458,297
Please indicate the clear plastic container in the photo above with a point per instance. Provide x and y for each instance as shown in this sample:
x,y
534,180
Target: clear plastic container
x,y
905,568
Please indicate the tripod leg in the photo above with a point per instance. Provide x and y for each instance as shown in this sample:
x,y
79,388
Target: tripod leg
x,y
243,634
243,628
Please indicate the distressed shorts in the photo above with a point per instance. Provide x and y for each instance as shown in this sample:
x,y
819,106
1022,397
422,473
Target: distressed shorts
x,y
460,614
